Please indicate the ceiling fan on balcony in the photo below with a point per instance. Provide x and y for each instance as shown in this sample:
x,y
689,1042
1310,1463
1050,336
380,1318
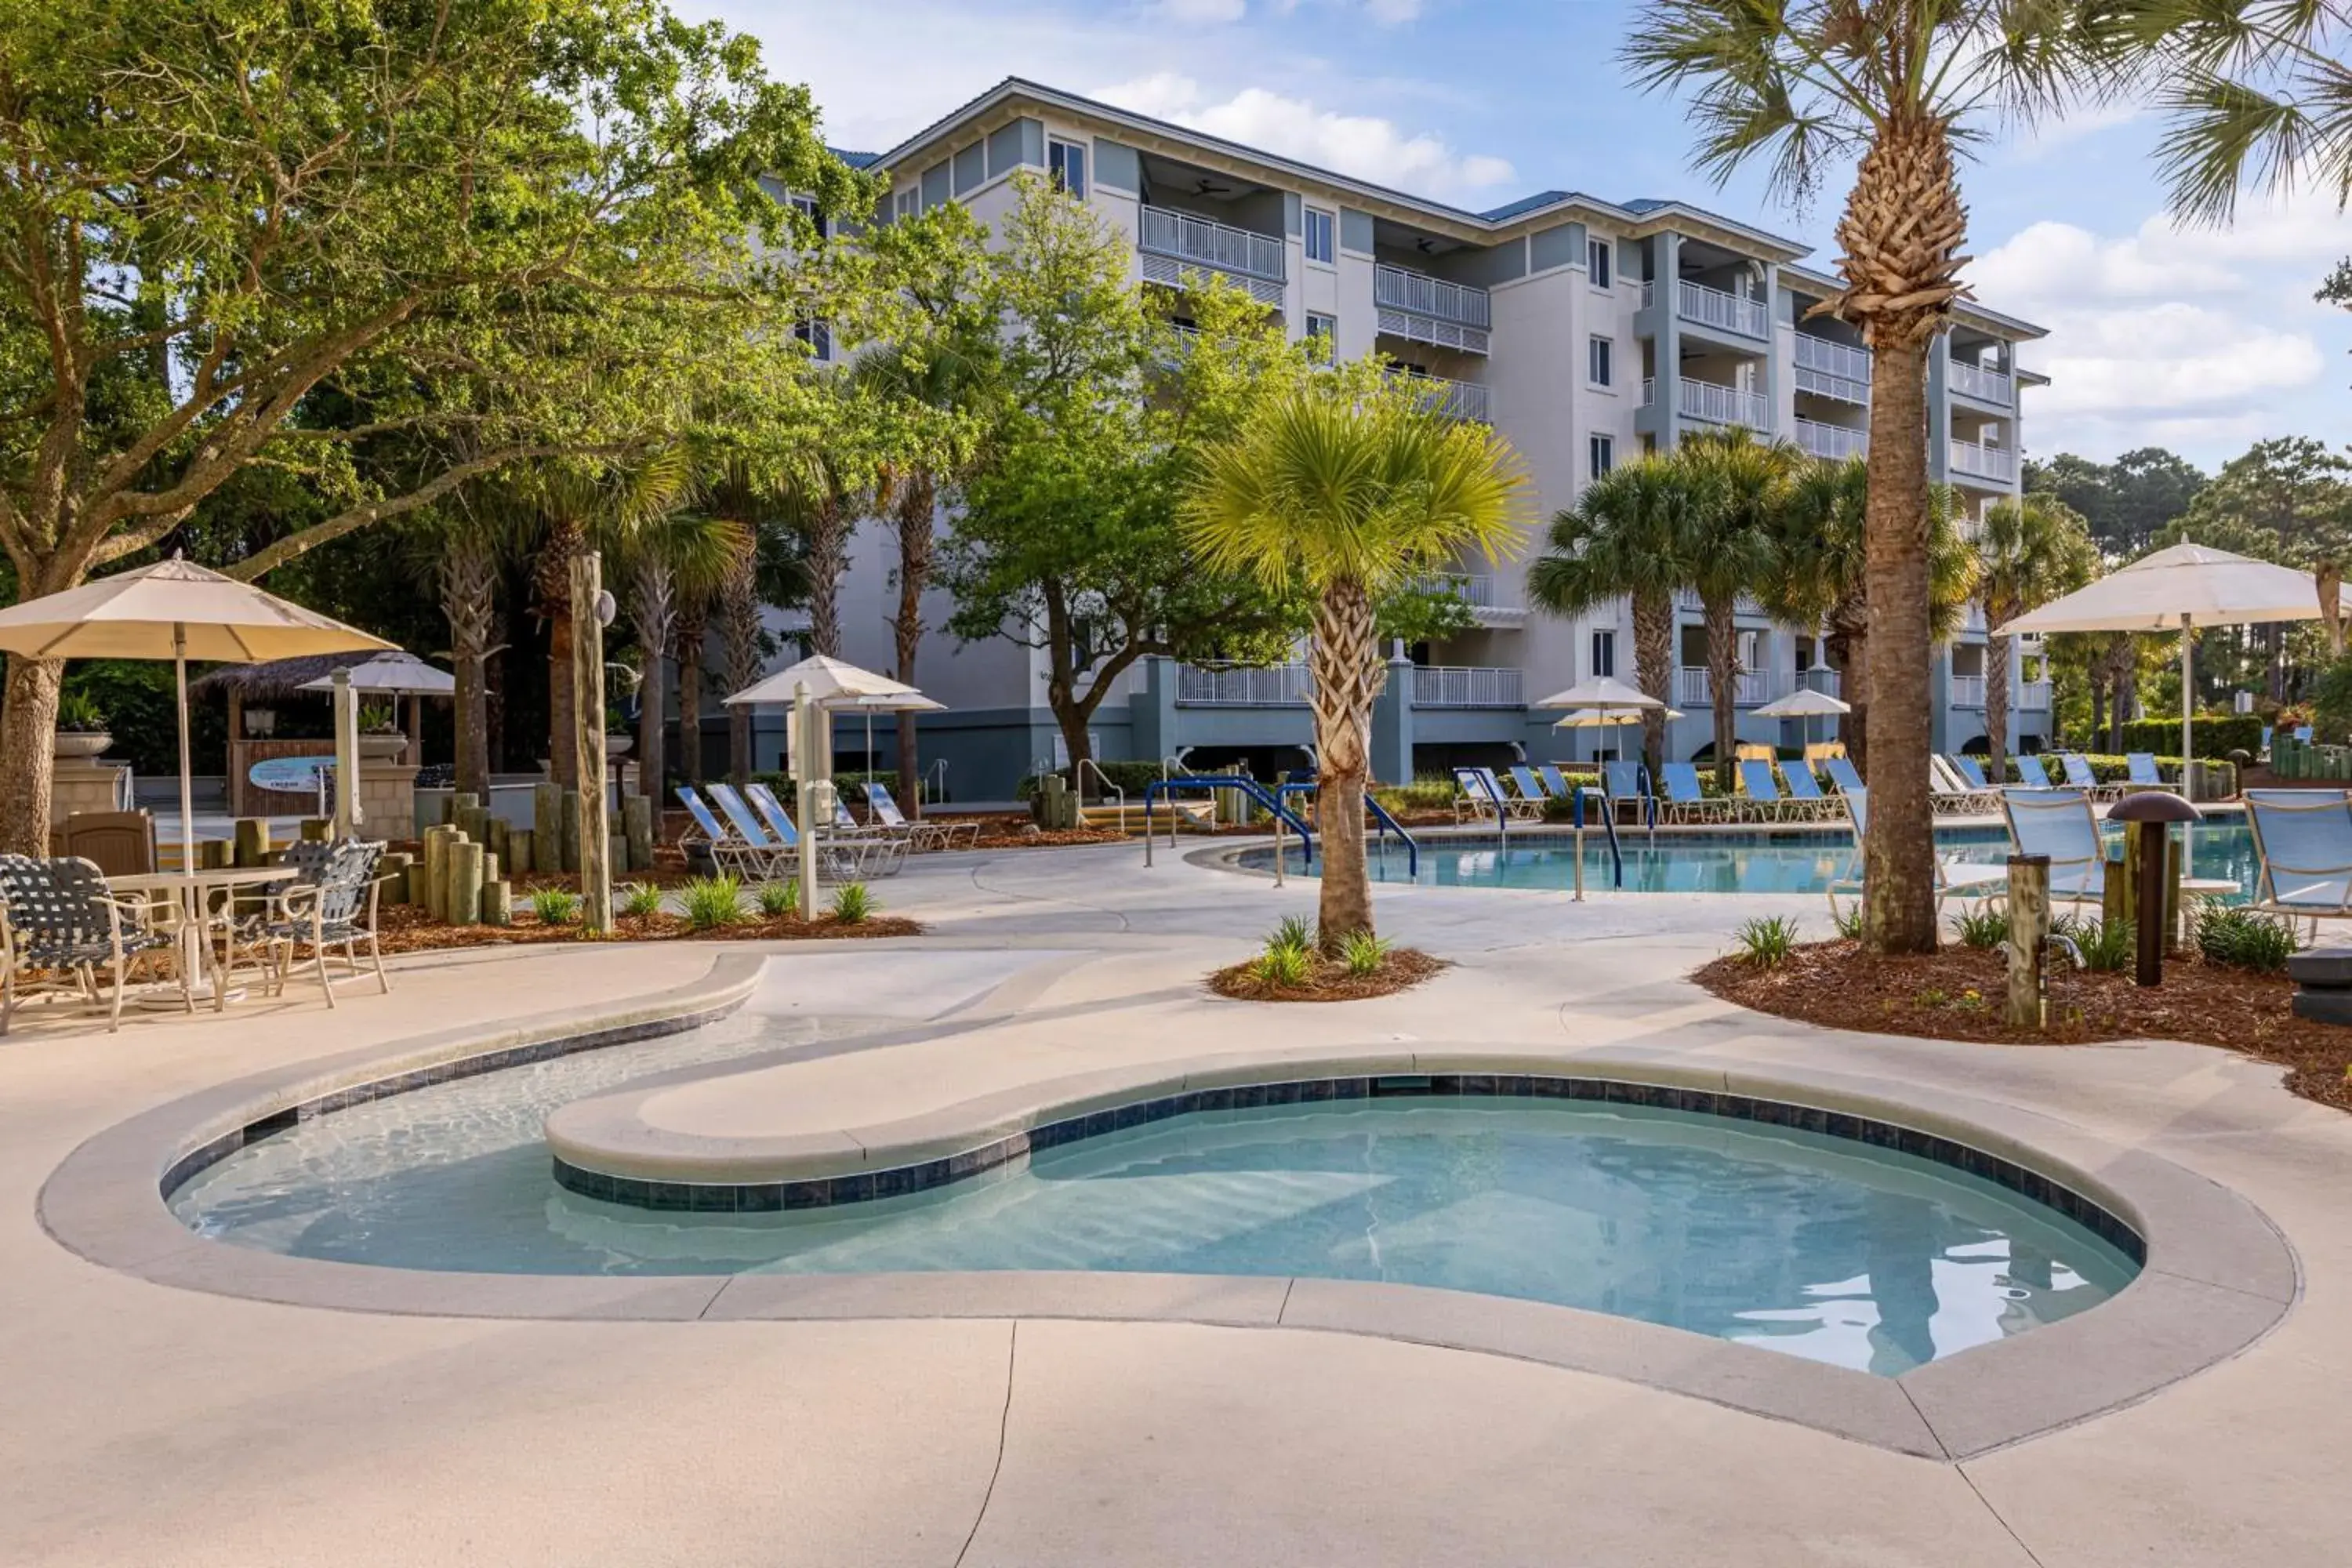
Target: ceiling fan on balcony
x,y
1208,186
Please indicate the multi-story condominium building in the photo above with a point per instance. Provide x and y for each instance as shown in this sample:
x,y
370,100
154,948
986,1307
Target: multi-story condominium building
x,y
1584,329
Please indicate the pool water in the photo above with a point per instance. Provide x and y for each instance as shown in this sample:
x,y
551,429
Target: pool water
x,y
1821,1247
1720,863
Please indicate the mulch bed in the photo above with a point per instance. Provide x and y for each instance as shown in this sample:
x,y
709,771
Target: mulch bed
x,y
1402,969
1957,995
406,928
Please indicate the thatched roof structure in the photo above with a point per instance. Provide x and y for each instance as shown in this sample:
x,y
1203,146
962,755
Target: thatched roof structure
x,y
277,679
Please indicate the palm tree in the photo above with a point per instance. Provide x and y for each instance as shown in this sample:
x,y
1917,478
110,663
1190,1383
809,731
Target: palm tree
x,y
668,561
1348,490
1630,534
1820,577
2028,553
464,550
1742,484
1897,82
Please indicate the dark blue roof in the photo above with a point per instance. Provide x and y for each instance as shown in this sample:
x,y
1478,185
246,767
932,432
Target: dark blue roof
x,y
1644,204
1511,210
855,160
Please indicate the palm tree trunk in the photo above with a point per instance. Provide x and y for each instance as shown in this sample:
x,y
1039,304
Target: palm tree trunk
x,y
739,603
2098,683
468,575
566,537
691,630
1899,902
1654,653
1996,652
1348,675
828,559
913,516
28,744
1722,682
653,611
2329,579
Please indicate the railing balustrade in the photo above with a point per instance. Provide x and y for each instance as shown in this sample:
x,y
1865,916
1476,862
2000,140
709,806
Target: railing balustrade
x,y
1977,381
1716,308
1242,686
1721,405
1835,442
1402,288
1466,686
1968,690
1983,462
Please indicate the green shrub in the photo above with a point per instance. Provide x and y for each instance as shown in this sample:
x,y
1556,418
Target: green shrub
x,y
1422,794
1284,965
639,898
2331,703
852,903
1981,927
2106,945
1767,941
1291,930
555,906
1362,953
2215,735
2242,938
1849,921
1129,776
778,897
713,901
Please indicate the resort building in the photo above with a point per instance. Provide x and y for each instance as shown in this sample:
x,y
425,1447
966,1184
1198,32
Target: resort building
x,y
1586,329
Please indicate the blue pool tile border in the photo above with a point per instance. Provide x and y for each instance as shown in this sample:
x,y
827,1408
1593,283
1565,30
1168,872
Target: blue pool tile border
x,y
181,1171
828,1191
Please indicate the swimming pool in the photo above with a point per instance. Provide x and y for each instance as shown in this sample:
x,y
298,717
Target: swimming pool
x,y
1717,862
1829,1248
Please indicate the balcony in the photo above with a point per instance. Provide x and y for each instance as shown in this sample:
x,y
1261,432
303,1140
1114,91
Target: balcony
x,y
1828,369
1451,399
1835,442
1466,686
1489,599
1821,678
1984,386
1171,242
2033,696
1751,687
1968,690
1689,599
1726,312
1425,310
1980,461
1237,686
1717,405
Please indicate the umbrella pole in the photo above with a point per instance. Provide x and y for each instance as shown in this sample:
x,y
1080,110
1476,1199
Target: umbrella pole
x,y
2188,708
187,792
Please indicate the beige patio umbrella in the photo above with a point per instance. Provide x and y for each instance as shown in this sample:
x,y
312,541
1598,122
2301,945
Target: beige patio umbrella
x,y
1605,719
1807,704
1602,695
836,685
175,610
2179,589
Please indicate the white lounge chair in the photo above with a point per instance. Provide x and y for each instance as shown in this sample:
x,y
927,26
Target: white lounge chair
x,y
925,833
2059,823
2302,843
1955,877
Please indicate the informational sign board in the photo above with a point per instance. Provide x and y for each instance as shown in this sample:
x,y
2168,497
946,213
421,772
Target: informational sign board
x,y
293,775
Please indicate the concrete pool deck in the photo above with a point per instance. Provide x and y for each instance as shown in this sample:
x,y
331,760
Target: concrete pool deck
x,y
150,1422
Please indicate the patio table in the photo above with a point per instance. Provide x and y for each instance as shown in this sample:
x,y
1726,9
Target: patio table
x,y
192,893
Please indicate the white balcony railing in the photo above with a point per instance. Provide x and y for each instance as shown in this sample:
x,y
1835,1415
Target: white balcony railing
x,y
1172,241
1984,462
1491,601
1715,308
1984,386
1821,677
1833,441
1466,686
1453,399
1237,686
1828,369
1968,690
1751,687
1719,404
2032,695
1402,288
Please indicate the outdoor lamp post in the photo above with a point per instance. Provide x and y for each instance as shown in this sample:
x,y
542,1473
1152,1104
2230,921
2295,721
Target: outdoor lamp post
x,y
2150,814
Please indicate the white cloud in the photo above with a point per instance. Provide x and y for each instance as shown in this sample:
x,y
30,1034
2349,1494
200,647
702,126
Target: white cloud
x,y
1364,146
1202,11
2204,340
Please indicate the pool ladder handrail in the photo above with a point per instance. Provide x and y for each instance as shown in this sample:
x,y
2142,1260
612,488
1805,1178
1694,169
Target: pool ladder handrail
x,y
1079,784
1282,814
1382,823
1608,815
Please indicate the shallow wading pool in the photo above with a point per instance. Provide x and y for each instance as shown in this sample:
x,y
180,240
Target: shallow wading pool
x,y
1828,1248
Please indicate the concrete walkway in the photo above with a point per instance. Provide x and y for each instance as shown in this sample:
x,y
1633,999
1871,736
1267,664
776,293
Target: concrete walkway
x,y
153,1425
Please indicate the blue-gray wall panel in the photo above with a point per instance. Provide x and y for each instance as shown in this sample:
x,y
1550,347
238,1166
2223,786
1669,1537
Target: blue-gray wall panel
x,y
935,184
971,169
1117,166
1354,231
1562,246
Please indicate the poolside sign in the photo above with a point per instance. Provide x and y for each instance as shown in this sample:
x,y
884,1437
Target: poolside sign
x,y
292,776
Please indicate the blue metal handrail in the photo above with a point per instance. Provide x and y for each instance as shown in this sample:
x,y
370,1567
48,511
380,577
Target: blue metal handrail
x,y
1380,818
1248,786
1477,782
1608,815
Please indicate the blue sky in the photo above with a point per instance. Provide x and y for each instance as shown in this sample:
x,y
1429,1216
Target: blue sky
x,y
2203,341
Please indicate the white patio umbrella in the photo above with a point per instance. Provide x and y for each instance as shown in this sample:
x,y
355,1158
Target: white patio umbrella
x,y
1605,719
395,674
835,684
1603,695
2179,589
1807,704
175,610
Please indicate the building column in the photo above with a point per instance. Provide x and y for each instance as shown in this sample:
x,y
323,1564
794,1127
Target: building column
x,y
1772,348
1665,274
1391,760
1939,419
1151,711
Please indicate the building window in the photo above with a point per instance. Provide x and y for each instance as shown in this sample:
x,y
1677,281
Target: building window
x,y
1604,454
907,203
1321,237
1322,332
1597,356
817,333
1066,163
806,207
1604,654
1599,254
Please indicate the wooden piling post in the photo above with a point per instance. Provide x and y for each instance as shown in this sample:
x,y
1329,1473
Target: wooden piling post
x,y
213,854
2029,934
395,869
521,844
546,822
497,833
568,817
252,841
436,870
316,829
637,828
498,904
464,883
2174,852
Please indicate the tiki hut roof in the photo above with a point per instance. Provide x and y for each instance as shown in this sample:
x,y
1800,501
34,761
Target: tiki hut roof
x,y
278,678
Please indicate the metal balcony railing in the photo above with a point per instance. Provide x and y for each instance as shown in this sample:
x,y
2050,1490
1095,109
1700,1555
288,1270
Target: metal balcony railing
x,y
1172,240
1983,462
1984,386
2032,695
1828,369
1454,399
1833,441
1719,404
1466,686
1402,288
1240,686
1968,690
1716,308
1751,687
1823,679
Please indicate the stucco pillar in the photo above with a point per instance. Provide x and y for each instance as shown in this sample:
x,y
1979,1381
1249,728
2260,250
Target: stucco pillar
x,y
1392,725
1151,711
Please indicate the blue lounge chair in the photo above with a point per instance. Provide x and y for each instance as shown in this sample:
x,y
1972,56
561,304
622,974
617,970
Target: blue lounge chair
x,y
1971,772
1627,782
1955,879
1841,774
1530,787
2030,772
1805,797
2303,845
2144,773
767,855
2059,823
1764,803
2079,775
882,806
1685,800
731,851
2303,733
1483,795
1948,791
840,858
1555,780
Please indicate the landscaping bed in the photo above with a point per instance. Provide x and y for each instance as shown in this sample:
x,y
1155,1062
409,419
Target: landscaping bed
x,y
409,930
1957,995
1326,979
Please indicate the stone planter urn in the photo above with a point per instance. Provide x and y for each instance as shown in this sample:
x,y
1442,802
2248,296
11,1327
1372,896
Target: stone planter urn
x,y
82,745
382,748
618,745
